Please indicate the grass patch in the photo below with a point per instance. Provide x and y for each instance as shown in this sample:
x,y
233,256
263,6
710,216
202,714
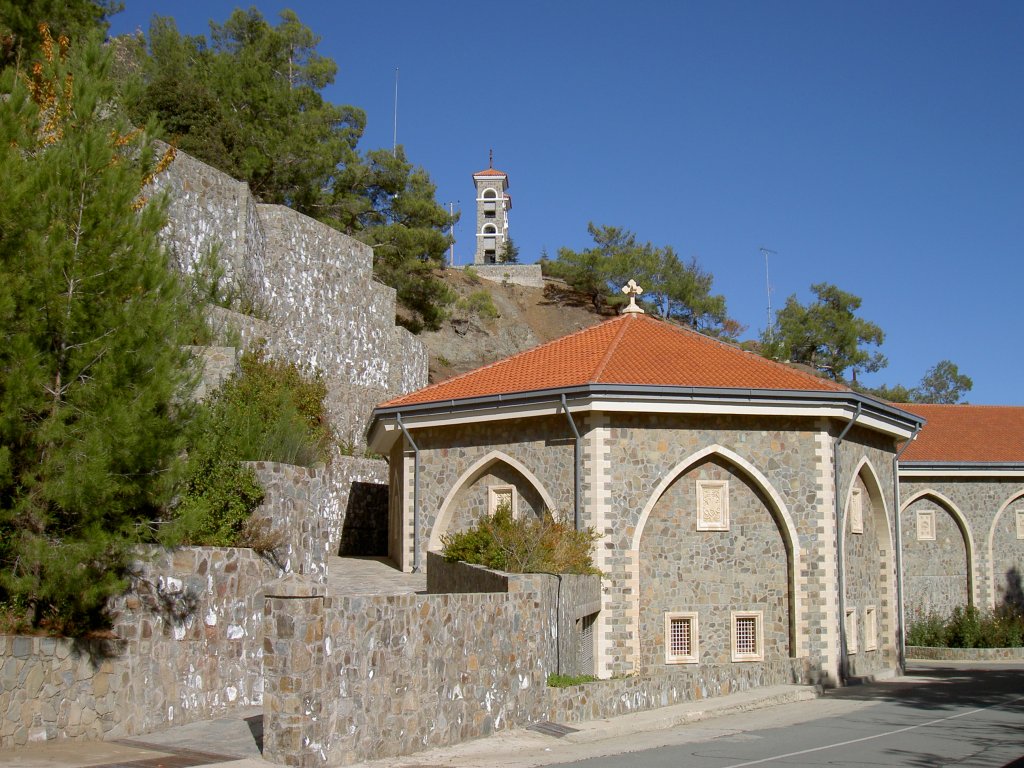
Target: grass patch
x,y
566,681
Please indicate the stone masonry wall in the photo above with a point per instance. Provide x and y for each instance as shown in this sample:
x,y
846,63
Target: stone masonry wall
x,y
978,501
332,663
528,275
293,527
191,649
935,571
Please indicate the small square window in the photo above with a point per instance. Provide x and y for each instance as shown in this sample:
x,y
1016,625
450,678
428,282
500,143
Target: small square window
x,y
870,628
712,505
851,630
747,636
681,638
502,495
856,512
926,525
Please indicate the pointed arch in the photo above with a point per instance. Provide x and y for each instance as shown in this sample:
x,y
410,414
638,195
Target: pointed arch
x,y
866,471
778,509
1018,494
476,469
961,522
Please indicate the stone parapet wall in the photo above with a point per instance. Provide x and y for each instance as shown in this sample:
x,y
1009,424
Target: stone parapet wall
x,y
925,653
332,663
528,275
672,685
218,364
190,648
296,531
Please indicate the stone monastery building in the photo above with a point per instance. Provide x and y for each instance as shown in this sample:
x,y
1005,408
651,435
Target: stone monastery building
x,y
748,511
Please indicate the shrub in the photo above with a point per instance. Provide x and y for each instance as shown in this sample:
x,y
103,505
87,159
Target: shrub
x,y
269,411
967,627
479,303
523,545
472,275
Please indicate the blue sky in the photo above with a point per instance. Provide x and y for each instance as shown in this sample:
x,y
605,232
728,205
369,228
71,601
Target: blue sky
x,y
875,145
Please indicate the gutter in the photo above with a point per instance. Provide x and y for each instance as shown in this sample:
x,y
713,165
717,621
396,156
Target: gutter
x,y
577,455
415,495
840,554
901,642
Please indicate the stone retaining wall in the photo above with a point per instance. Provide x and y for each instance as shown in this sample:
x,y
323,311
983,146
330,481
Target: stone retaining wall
x,y
517,274
190,649
294,529
964,654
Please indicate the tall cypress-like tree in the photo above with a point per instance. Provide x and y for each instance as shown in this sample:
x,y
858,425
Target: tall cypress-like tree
x,y
93,378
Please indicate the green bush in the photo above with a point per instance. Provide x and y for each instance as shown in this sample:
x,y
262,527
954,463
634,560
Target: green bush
x,y
967,627
478,303
269,411
523,545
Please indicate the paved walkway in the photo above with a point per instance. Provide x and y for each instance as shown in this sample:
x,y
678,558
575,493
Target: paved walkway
x,y
370,576
234,742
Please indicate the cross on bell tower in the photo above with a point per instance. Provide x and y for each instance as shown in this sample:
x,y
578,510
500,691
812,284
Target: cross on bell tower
x,y
492,206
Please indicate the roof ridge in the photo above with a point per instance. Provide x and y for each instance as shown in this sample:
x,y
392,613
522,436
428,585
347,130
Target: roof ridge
x,y
754,355
596,375
502,361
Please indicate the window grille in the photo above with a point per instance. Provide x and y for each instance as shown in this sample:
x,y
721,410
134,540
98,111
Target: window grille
x,y
681,638
747,636
586,653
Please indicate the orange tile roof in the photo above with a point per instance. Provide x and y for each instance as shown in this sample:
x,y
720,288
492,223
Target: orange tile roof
x,y
491,172
964,434
630,349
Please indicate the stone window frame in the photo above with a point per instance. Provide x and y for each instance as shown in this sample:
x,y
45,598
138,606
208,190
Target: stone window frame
x,y
851,629
492,499
722,524
689,617
925,530
856,511
736,617
492,196
870,628
1020,523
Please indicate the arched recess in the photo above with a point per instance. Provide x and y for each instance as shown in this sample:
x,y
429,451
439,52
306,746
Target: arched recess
x,y
776,506
489,229
475,470
490,194
961,522
991,544
870,579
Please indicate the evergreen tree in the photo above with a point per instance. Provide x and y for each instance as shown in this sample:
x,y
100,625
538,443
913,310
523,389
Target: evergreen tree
x,y
20,20
509,252
93,378
825,334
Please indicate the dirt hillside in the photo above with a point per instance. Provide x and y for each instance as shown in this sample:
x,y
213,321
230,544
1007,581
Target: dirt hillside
x,y
526,317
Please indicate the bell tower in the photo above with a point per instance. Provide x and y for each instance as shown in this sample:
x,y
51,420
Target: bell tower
x,y
492,206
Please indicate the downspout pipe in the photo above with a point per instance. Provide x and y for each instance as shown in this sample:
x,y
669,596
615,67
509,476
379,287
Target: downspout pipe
x,y
415,495
577,455
901,643
840,556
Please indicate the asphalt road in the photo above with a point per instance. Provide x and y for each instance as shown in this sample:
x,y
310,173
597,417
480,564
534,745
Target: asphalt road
x,y
941,714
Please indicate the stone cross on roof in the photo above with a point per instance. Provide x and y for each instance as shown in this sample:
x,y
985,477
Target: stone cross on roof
x,y
632,290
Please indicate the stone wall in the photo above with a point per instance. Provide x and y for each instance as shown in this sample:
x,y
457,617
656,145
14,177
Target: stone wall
x,y
935,570
676,685
571,599
528,275
333,663
986,508
295,533
964,654
190,649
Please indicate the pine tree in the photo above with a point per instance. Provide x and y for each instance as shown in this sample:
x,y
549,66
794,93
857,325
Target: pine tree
x,y
93,378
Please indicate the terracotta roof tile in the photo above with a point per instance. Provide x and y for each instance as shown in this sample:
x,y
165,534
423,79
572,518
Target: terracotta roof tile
x,y
491,172
629,349
967,434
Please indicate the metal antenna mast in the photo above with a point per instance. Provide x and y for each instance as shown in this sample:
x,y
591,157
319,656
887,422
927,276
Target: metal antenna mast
x,y
394,145
451,213
768,287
